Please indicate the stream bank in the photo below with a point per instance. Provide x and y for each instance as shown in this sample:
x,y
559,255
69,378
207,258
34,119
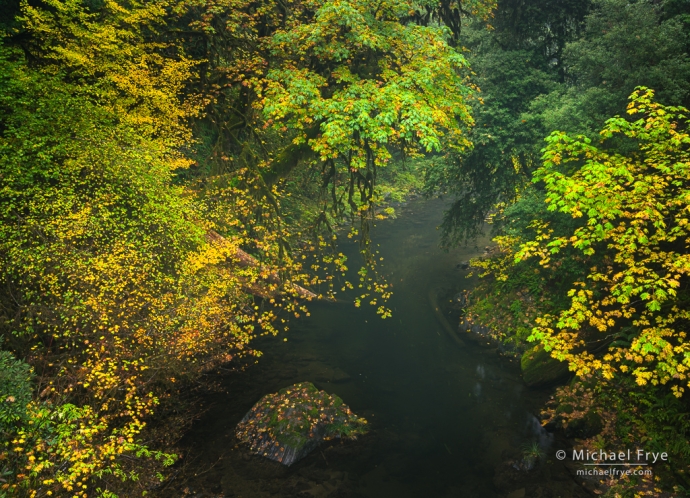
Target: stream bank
x,y
445,420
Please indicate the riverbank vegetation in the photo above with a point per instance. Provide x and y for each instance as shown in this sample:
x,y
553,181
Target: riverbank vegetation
x,y
590,262
172,174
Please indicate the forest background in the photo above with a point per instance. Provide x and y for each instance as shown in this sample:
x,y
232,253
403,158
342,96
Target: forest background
x,y
171,175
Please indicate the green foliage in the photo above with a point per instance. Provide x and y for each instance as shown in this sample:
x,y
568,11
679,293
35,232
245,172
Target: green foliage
x,y
388,82
514,65
635,205
147,232
605,217
90,231
624,45
105,268
307,104
651,418
620,315
15,391
579,61
357,83
532,450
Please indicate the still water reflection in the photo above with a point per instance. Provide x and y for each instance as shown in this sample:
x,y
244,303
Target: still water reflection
x,y
442,416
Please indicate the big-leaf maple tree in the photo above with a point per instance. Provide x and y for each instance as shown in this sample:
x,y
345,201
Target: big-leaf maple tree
x,y
119,280
634,198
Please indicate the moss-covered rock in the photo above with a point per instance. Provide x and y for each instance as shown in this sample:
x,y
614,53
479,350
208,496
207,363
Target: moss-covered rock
x,y
287,425
586,426
540,369
566,408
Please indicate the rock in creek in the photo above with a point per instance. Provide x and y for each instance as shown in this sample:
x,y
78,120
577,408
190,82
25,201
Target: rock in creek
x,y
589,425
540,369
287,425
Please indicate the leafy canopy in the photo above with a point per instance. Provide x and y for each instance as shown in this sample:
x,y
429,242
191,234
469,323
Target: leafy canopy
x,y
120,279
636,207
369,81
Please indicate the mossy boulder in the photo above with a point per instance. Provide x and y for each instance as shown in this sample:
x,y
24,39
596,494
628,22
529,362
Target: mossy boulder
x,y
586,426
540,369
288,425
566,408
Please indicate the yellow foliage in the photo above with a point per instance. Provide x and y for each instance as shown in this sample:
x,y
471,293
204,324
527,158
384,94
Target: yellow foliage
x,y
636,236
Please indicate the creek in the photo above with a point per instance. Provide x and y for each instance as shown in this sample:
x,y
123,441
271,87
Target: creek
x,y
443,416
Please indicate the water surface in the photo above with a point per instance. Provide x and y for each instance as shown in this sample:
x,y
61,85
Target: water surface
x,y
442,416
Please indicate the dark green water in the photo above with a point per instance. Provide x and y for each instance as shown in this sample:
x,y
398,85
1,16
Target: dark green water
x,y
442,417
